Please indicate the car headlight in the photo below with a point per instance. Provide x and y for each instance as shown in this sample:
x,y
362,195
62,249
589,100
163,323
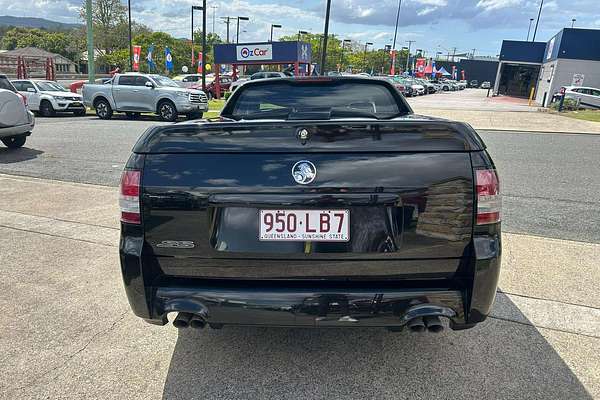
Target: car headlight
x,y
182,94
59,98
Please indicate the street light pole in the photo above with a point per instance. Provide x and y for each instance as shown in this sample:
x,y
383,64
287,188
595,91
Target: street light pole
x,y
90,41
529,29
395,34
226,21
408,54
130,44
203,44
343,48
573,22
325,37
237,35
538,20
365,55
193,53
273,26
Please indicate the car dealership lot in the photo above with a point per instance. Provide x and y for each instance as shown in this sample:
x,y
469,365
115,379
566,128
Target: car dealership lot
x,y
71,333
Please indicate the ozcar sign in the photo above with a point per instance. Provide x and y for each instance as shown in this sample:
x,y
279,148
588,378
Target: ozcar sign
x,y
254,52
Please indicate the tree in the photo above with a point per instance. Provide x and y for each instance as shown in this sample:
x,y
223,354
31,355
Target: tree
x,y
66,43
109,19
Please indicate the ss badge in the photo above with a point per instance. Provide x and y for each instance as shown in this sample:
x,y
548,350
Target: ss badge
x,y
176,244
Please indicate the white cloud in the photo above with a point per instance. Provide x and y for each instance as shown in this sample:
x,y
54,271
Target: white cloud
x,y
489,5
426,10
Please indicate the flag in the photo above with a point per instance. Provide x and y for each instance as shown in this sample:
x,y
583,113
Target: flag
x,y
168,59
149,59
200,58
420,68
137,51
462,74
433,70
393,63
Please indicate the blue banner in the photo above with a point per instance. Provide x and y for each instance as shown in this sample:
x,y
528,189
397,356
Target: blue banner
x,y
168,59
149,58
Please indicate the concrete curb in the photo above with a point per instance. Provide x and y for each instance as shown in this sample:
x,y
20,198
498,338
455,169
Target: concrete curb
x,y
535,132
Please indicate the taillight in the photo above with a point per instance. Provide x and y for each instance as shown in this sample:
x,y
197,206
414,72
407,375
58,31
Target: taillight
x,y
489,202
129,199
23,99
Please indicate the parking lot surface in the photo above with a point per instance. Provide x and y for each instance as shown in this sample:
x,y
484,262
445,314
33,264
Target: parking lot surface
x,y
71,334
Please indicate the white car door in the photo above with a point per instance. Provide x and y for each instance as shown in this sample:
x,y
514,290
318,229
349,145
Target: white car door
x,y
590,97
28,89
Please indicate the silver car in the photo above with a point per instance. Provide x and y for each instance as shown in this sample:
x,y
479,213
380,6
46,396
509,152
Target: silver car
x,y
134,93
16,121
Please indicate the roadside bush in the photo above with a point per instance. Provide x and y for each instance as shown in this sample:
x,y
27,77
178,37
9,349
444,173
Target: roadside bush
x,y
568,105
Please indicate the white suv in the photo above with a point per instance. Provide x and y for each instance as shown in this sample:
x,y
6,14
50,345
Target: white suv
x,y
16,121
48,97
588,97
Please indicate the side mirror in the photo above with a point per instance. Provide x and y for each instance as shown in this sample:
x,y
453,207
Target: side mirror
x,y
31,90
149,84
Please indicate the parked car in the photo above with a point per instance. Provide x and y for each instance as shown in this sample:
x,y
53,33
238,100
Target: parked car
x,y
399,84
268,75
134,93
325,204
429,87
462,85
448,86
486,85
48,97
189,80
211,88
417,88
474,83
240,81
16,121
588,97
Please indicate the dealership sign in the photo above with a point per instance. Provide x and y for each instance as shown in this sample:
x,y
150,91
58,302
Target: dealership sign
x,y
254,52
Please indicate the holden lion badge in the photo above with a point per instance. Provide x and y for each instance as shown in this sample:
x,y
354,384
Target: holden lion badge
x,y
304,172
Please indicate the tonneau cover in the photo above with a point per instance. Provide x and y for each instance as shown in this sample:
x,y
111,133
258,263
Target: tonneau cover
x,y
412,133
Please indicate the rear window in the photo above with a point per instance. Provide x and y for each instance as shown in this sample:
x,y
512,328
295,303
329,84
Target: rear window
x,y
5,84
368,97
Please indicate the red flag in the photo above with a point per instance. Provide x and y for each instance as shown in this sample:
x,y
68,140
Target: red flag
x,y
462,74
393,66
420,68
137,51
200,62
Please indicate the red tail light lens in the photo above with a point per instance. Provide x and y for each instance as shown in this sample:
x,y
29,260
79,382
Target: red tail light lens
x,y
23,99
489,202
129,199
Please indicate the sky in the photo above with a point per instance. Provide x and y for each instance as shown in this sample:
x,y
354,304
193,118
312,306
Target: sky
x,y
433,25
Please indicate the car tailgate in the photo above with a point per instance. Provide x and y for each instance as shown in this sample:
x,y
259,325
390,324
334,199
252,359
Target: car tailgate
x,y
407,184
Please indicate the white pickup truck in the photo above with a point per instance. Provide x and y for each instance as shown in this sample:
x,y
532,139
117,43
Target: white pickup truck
x,y
135,93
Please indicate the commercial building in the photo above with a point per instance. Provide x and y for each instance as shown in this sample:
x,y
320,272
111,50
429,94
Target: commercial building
x,y
569,58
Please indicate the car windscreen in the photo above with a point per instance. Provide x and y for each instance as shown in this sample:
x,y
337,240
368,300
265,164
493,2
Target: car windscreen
x,y
50,87
164,81
341,98
5,84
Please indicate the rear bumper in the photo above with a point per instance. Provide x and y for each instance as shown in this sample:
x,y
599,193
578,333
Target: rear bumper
x,y
19,130
465,301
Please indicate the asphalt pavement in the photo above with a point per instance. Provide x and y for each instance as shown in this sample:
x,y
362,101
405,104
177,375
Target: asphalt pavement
x,y
549,182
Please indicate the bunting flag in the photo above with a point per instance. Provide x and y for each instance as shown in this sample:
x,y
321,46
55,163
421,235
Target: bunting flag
x,y
149,59
200,57
433,70
137,51
168,59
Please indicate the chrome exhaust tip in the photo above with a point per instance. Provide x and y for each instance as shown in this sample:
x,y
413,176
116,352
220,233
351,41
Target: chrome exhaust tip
x,y
197,323
433,323
182,320
416,325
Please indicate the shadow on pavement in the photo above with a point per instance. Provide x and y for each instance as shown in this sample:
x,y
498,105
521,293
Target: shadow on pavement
x,y
497,359
10,156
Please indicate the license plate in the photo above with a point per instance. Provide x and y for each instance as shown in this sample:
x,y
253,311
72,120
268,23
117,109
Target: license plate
x,y
305,225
